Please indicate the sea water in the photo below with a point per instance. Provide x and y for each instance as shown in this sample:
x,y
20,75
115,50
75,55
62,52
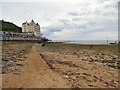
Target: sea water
x,y
87,41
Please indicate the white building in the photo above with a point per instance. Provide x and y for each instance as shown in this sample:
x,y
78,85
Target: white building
x,y
31,28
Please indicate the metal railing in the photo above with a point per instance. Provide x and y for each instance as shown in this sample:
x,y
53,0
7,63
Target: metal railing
x,y
12,36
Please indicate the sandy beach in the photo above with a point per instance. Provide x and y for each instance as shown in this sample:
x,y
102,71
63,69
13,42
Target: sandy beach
x,y
58,65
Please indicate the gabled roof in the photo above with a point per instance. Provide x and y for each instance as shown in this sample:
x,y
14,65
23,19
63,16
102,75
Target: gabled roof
x,y
32,21
37,24
24,22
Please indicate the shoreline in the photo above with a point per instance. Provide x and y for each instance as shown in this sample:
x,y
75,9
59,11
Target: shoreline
x,y
69,43
94,42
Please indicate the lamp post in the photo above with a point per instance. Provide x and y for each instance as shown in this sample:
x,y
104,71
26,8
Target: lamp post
x,y
107,40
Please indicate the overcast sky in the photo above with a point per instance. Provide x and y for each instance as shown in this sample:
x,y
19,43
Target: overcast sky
x,y
66,19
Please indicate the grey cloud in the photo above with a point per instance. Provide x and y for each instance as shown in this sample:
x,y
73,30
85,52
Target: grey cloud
x,y
109,14
65,20
50,29
73,13
70,24
62,25
79,13
110,6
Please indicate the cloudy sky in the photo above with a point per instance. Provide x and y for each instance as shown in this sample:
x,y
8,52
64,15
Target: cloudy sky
x,y
66,19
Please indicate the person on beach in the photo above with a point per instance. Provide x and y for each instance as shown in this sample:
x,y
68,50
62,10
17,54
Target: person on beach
x,y
4,35
91,46
43,44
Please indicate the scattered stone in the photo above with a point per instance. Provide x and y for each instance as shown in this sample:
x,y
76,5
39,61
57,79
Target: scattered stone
x,y
13,56
19,64
16,73
66,76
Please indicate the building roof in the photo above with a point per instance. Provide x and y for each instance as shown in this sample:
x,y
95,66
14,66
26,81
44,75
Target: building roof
x,y
24,22
32,21
37,24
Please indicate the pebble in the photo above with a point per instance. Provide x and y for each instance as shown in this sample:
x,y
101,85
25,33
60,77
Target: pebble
x,y
16,73
66,76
